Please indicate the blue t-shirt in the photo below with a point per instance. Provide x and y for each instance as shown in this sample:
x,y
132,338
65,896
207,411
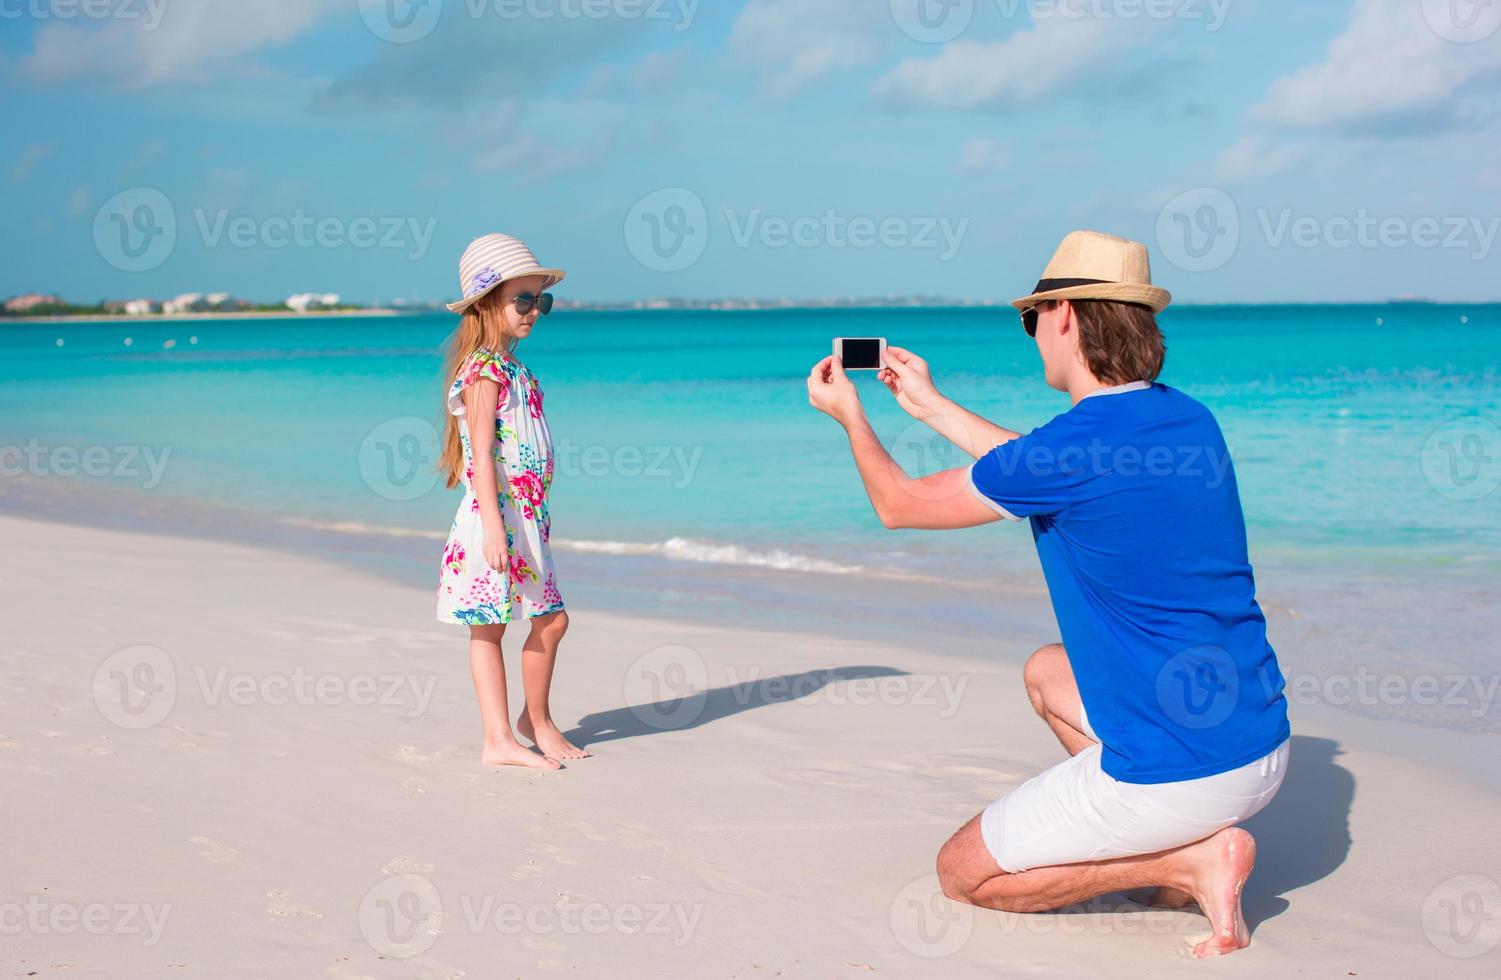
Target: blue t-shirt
x,y
1137,520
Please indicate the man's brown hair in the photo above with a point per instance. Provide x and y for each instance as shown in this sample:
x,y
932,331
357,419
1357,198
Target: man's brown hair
x,y
1121,342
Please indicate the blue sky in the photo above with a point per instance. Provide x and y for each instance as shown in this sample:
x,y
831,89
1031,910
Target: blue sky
x,y
1266,150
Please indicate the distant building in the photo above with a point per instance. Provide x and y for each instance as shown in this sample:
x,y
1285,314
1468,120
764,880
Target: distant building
x,y
27,301
140,307
224,302
186,303
303,302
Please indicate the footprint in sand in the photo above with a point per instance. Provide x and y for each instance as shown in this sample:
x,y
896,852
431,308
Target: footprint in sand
x,y
407,866
213,851
279,904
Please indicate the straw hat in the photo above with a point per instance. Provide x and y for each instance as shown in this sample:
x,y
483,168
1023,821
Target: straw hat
x,y
1094,265
493,259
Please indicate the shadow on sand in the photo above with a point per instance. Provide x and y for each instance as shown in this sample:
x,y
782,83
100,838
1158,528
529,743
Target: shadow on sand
x,y
702,707
1304,833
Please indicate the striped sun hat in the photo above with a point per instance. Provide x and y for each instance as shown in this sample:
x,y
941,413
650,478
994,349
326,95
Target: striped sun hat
x,y
493,259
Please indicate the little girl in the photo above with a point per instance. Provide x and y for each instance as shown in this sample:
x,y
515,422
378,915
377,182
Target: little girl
x,y
497,552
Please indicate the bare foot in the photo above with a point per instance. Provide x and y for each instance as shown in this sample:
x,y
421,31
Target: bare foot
x,y
549,740
1170,898
514,754
1221,864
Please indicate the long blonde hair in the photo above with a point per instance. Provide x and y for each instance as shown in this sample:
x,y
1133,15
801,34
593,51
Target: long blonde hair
x,y
480,327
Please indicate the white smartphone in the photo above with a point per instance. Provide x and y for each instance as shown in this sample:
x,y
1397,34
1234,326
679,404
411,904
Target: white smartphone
x,y
861,353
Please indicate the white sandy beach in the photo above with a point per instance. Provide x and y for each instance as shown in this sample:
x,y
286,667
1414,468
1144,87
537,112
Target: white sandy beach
x,y
224,762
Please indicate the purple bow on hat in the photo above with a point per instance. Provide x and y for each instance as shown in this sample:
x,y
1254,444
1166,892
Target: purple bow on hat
x,y
483,279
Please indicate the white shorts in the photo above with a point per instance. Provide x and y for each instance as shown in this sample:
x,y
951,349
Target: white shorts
x,y
1074,812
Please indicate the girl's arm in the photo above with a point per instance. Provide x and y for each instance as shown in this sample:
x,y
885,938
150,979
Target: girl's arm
x,y
480,402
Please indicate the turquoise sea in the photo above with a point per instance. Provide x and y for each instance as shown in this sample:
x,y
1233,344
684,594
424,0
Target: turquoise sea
x,y
693,476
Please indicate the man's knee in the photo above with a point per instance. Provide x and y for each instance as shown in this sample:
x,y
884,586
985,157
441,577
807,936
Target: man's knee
x,y
1040,673
951,873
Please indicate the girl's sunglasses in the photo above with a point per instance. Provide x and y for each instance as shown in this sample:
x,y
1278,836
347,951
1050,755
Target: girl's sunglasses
x,y
525,301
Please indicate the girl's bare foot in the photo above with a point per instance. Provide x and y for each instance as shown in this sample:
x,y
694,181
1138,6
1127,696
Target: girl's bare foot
x,y
513,753
549,739
1221,864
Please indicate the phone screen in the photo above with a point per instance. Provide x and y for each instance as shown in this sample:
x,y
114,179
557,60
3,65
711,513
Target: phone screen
x,y
862,352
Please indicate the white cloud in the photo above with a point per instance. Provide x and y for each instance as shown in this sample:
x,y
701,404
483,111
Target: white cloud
x,y
1255,156
980,155
191,42
1388,68
31,155
794,43
1055,56
78,201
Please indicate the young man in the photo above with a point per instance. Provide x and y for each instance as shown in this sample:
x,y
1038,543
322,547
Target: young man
x,y
1164,690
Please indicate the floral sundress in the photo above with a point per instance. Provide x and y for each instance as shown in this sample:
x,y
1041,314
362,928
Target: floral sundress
x,y
470,591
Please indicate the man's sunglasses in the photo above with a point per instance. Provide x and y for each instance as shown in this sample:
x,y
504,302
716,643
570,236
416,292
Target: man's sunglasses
x,y
525,301
1029,321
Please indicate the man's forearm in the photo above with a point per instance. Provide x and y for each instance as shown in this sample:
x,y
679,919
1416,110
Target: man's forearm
x,y
971,433
882,477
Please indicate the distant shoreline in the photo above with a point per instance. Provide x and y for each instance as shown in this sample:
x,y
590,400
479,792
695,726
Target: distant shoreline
x,y
230,315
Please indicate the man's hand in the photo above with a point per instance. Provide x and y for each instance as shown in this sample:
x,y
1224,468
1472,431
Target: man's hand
x,y
909,379
832,392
